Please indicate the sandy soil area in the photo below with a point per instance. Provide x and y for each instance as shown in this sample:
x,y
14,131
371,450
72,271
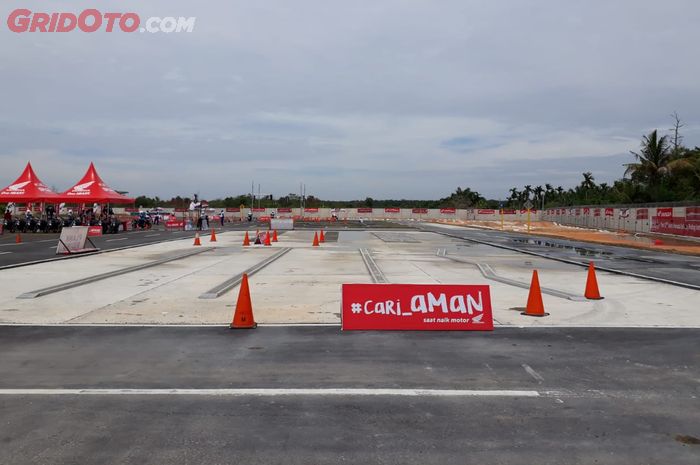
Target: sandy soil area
x,y
547,228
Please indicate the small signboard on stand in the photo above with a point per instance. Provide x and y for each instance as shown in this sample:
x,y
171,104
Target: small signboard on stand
x,y
73,240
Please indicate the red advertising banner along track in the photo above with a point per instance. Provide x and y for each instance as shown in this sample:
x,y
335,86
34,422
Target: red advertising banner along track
x,y
418,307
664,222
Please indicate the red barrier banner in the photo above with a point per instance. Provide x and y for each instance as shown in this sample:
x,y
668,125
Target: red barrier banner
x,y
586,211
233,209
364,210
485,212
596,212
692,214
664,212
420,211
448,211
675,225
510,212
94,231
392,210
418,307
311,210
259,210
181,210
578,212
642,213
284,210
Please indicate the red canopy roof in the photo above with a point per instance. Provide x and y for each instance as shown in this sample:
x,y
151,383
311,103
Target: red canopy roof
x,y
28,188
91,188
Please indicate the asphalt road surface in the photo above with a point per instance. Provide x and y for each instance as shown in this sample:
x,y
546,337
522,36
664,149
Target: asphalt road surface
x,y
514,396
674,267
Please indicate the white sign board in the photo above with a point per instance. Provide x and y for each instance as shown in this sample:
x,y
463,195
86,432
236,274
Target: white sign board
x,y
282,224
73,240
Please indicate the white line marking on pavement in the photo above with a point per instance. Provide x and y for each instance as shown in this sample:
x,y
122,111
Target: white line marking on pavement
x,y
274,392
3,253
152,235
120,239
48,240
532,373
11,243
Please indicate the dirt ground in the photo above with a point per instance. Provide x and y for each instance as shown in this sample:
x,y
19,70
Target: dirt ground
x,y
547,228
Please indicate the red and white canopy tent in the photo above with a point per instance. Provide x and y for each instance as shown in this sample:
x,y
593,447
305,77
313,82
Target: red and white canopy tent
x,y
92,189
28,188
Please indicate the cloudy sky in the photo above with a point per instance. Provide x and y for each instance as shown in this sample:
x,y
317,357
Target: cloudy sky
x,y
381,98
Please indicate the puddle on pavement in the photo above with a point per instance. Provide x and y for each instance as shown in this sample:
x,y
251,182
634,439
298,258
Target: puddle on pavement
x,y
583,251
688,440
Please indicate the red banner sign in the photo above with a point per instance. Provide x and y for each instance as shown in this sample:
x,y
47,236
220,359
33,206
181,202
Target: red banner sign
x,y
586,211
311,210
420,211
664,212
181,210
94,231
174,224
448,211
259,210
692,214
417,307
233,209
364,210
675,225
284,210
642,213
392,210
510,212
486,212
609,212
596,212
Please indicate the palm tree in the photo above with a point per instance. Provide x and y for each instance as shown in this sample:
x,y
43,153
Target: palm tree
x,y
652,160
538,191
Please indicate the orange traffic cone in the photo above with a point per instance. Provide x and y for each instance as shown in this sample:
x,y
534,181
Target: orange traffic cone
x,y
267,239
246,240
315,244
18,239
321,237
213,235
274,236
535,306
592,292
243,316
196,239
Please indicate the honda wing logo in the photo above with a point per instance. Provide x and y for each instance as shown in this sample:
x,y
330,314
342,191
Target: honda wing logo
x,y
80,188
18,186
